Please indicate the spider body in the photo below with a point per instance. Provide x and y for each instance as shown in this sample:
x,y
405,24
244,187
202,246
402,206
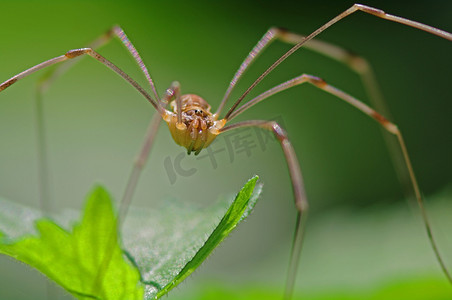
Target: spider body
x,y
197,128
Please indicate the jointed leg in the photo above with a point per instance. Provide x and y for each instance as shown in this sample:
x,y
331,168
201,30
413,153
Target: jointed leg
x,y
305,78
356,63
125,40
387,125
42,86
76,53
150,135
47,79
45,82
269,36
356,7
175,93
117,31
132,182
45,200
138,165
301,202
363,68
124,204
143,155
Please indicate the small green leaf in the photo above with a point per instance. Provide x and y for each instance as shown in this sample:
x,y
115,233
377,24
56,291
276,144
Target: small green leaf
x,y
169,242
239,209
73,259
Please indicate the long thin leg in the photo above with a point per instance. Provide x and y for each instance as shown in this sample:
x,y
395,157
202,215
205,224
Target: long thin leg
x,y
386,124
45,201
117,31
356,7
137,168
124,204
143,155
301,202
44,191
43,165
264,42
304,78
43,84
356,63
47,79
175,93
365,71
76,53
353,61
132,181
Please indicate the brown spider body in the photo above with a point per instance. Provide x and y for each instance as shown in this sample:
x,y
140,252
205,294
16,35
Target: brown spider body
x,y
199,126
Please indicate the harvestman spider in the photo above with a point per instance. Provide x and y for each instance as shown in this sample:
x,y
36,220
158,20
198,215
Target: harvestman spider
x,y
194,127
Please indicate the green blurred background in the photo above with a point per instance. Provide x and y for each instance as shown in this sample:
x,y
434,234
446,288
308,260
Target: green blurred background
x,y
361,231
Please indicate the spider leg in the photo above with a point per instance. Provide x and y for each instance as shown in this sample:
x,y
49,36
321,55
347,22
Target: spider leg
x,y
44,190
357,63
143,154
43,84
132,182
364,70
301,202
124,204
138,165
47,79
175,87
150,135
356,7
269,36
71,54
386,124
117,31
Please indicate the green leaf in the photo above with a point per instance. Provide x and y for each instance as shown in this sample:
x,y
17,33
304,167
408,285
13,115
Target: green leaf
x,y
165,244
239,209
169,242
73,259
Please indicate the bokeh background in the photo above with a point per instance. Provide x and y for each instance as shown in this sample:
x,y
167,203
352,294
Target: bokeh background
x,y
361,233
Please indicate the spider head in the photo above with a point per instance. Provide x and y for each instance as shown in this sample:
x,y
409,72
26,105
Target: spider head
x,y
198,127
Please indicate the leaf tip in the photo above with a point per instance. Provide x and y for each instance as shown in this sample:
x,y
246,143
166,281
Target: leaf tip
x,y
98,197
98,190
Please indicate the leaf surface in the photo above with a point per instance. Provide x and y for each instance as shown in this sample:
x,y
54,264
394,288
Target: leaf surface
x,y
73,258
161,247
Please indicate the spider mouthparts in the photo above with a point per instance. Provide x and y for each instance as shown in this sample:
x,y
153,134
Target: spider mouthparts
x,y
190,148
200,148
